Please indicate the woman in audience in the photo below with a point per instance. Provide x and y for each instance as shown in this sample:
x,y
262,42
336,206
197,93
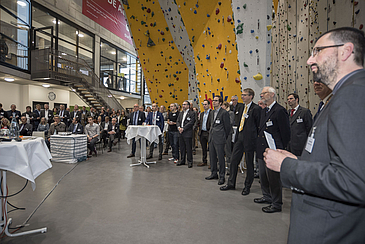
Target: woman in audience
x,y
5,124
55,111
43,126
122,123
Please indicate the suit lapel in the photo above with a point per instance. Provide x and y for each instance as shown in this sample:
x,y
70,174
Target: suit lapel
x,y
295,116
267,116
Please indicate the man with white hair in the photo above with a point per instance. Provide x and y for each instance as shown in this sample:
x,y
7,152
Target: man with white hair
x,y
275,121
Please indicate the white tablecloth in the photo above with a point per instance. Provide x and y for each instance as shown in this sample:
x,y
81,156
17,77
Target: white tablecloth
x,y
28,158
150,132
69,149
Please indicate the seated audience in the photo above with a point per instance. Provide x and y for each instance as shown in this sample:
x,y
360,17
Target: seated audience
x,y
76,127
104,130
28,115
13,112
56,126
43,126
25,129
113,133
92,132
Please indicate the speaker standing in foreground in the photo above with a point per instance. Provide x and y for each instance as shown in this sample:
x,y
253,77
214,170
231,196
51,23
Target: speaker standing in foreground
x,y
328,182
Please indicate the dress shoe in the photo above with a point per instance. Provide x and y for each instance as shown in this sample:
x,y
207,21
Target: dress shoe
x,y
179,164
149,156
190,165
160,157
115,143
209,167
202,164
227,187
130,156
109,150
212,177
270,209
165,153
246,191
261,200
256,176
221,181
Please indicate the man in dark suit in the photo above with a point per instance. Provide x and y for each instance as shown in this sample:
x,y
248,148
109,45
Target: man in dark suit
x,y
13,113
136,118
156,118
76,113
25,129
2,112
204,127
36,116
245,142
76,127
218,134
300,120
29,115
328,181
64,115
237,109
185,123
324,93
104,130
113,133
275,121
47,114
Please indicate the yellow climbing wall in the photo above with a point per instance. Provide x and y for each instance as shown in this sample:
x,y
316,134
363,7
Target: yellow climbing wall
x,y
164,69
210,26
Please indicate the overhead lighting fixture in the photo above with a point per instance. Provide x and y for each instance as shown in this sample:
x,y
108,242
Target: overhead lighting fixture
x,y
113,52
9,79
46,85
122,97
124,58
54,22
63,53
21,3
80,35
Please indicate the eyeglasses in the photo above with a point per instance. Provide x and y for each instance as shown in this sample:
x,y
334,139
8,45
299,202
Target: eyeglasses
x,y
185,104
214,100
316,50
263,93
243,95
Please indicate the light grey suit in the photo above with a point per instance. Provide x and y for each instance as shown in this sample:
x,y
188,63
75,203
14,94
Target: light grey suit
x,y
328,201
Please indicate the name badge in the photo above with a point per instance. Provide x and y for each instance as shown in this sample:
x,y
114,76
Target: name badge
x,y
246,116
299,120
139,119
237,112
269,123
173,114
310,141
158,119
78,129
187,118
217,121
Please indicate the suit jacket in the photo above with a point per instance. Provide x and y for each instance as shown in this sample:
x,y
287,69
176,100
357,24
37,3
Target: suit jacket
x,y
140,120
26,130
2,114
116,129
188,123
201,116
329,183
250,128
49,117
9,115
36,121
78,115
237,112
66,116
61,127
300,125
220,127
159,120
79,128
275,122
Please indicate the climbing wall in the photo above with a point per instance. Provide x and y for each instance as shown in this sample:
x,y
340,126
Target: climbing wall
x,y
297,24
253,32
164,68
182,42
210,26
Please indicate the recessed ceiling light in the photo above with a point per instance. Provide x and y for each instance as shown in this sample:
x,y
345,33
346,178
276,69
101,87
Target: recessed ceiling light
x,y
81,35
9,79
46,85
122,97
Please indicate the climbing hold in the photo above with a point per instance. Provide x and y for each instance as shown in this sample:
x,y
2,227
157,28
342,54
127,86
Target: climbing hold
x,y
258,76
217,11
221,65
245,65
229,18
268,27
219,46
244,6
237,80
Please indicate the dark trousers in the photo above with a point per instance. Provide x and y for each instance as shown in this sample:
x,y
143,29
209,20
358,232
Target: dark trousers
x,y
134,145
270,185
204,143
112,137
216,154
185,144
167,140
160,146
236,158
104,134
91,144
174,142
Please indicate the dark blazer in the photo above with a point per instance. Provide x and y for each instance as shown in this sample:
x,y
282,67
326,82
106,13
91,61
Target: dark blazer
x,y
220,128
188,123
9,115
36,121
237,112
79,128
141,118
2,113
250,128
329,183
78,115
66,116
117,131
201,116
26,130
159,120
275,122
300,125
50,115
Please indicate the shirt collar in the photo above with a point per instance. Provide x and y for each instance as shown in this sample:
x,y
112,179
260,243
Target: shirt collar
x,y
270,107
207,112
326,98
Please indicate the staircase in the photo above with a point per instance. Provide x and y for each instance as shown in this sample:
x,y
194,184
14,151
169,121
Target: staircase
x,y
57,67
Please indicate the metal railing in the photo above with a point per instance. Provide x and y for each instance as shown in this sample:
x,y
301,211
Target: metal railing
x,y
71,70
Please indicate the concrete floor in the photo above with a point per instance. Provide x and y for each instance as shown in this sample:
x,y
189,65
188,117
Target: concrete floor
x,y
104,200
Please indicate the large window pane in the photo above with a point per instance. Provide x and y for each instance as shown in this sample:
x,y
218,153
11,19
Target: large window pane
x,y
86,41
42,19
67,48
87,56
67,32
108,51
18,7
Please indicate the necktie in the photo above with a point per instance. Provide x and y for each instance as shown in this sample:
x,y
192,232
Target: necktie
x,y
292,112
318,112
21,128
243,119
154,118
135,118
75,126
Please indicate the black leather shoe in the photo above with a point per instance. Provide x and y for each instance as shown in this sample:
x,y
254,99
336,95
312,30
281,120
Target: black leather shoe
x,y
261,200
212,177
221,181
130,156
149,156
227,187
245,191
160,157
190,165
270,209
179,164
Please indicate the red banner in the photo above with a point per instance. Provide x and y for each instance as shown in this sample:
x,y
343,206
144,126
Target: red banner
x,y
109,14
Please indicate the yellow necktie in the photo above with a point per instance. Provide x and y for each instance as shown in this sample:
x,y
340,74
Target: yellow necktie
x,y
243,119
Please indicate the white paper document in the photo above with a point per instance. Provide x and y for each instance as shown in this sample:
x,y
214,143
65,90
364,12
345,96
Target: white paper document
x,y
270,140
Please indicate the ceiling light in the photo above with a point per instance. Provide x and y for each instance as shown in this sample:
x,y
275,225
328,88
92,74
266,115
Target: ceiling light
x,y
113,52
54,22
124,58
21,3
46,85
9,79
80,35
122,97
